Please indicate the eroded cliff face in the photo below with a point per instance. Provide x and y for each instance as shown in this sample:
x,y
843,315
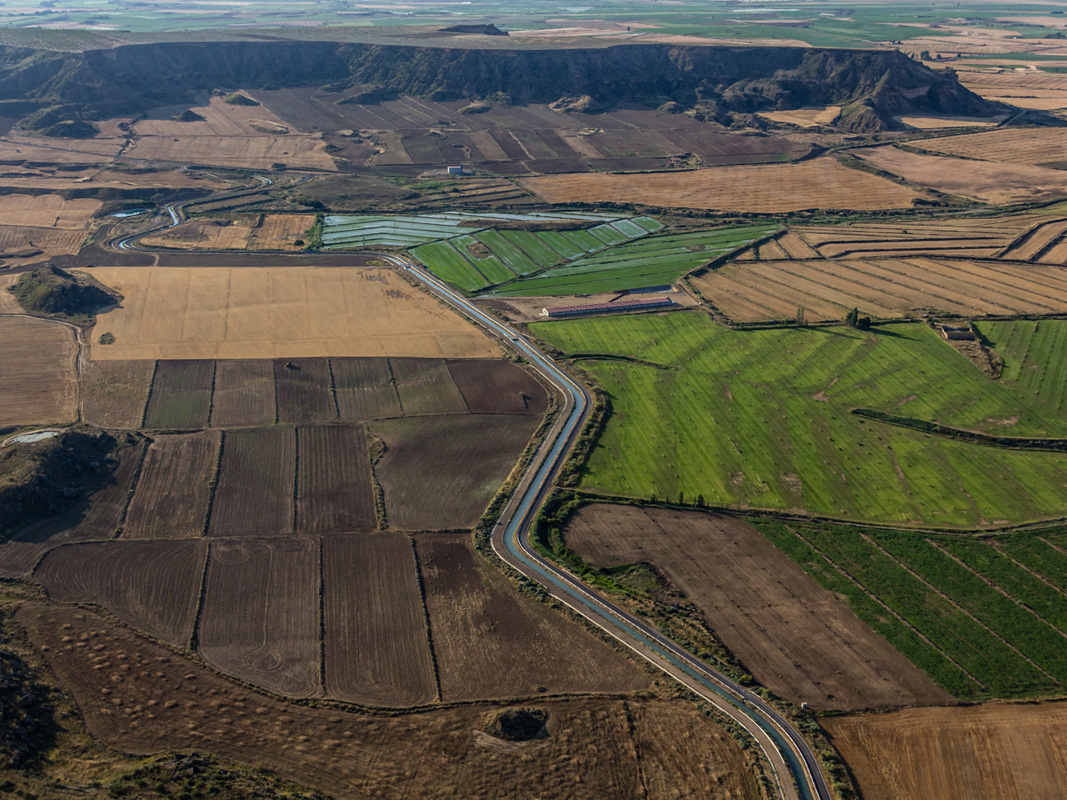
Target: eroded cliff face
x,y
873,85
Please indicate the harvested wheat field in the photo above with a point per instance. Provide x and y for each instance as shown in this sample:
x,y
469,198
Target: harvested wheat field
x,y
376,649
244,394
1034,146
491,641
218,118
24,245
1024,89
278,312
751,291
795,637
805,117
152,586
263,232
174,488
987,182
260,617
769,189
999,751
47,211
236,152
593,746
38,380
932,123
114,393
440,472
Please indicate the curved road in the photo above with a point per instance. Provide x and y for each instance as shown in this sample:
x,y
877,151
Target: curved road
x,y
795,769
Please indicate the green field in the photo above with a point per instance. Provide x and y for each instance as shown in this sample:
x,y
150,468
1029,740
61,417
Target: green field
x,y
761,419
1035,358
984,617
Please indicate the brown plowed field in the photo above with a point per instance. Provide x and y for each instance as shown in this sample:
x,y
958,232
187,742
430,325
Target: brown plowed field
x,y
795,637
491,641
244,394
254,496
37,372
748,291
260,619
987,182
364,388
999,751
181,395
174,488
152,586
426,387
114,393
592,748
305,390
47,211
278,312
823,183
1034,146
333,481
498,386
377,651
441,472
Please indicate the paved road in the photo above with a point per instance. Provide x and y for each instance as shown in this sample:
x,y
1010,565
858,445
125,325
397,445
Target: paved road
x,y
795,770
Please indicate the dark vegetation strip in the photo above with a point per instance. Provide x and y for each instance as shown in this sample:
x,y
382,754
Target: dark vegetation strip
x,y
973,437
426,619
130,492
194,636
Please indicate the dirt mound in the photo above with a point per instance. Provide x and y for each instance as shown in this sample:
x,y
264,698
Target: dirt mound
x,y
517,724
189,116
71,129
51,291
484,30
238,99
583,104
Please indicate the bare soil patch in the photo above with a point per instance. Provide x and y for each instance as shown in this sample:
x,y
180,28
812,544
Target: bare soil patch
x,y
805,117
114,393
181,395
425,386
244,394
364,388
441,472
795,637
593,747
333,480
823,183
305,390
152,586
491,641
260,619
999,751
37,372
498,387
174,488
278,312
254,496
376,649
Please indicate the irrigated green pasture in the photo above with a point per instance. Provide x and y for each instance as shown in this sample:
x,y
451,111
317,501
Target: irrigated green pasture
x,y
984,617
761,419
1035,358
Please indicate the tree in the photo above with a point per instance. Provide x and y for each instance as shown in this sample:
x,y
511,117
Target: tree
x,y
700,500
851,317
681,498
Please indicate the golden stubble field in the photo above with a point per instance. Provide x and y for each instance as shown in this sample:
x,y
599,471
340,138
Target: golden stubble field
x,y
1029,146
37,372
823,183
47,211
267,232
277,312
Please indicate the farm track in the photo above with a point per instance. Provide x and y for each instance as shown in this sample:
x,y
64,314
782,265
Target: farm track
x,y
794,765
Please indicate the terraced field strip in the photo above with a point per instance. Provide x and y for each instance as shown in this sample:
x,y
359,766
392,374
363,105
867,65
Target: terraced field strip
x,y
364,388
376,648
1034,146
333,482
965,237
260,616
781,401
181,395
244,394
174,488
425,386
645,262
254,495
340,231
305,390
1036,240
152,586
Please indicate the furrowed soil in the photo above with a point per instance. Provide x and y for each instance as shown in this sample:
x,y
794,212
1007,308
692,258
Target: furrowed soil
x,y
254,496
594,746
174,488
441,472
795,637
181,395
425,386
260,619
304,390
333,480
244,394
114,393
37,372
152,586
376,647
998,751
768,189
498,387
491,641
364,388
278,312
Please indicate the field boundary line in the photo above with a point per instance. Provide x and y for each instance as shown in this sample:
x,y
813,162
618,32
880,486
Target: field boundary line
x,y
211,393
878,601
1052,545
214,485
952,602
194,634
148,396
992,585
1027,569
426,617
333,389
121,524
392,382
296,480
322,620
